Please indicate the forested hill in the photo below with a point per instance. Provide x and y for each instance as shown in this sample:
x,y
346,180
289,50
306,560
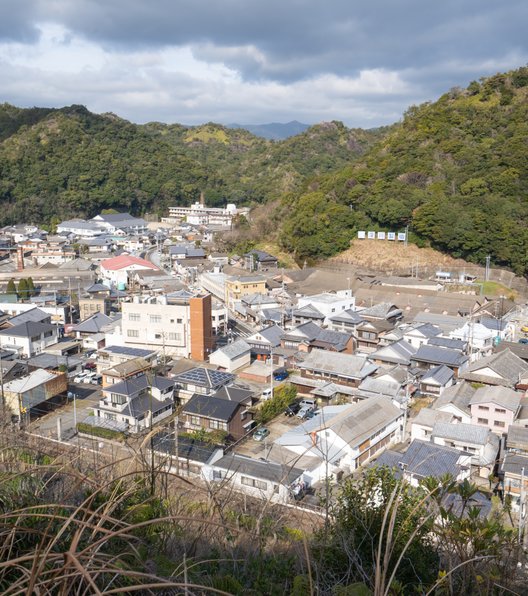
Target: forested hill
x,y
59,163
455,171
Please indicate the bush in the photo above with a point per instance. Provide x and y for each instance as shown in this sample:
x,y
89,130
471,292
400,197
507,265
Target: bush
x,y
282,396
98,431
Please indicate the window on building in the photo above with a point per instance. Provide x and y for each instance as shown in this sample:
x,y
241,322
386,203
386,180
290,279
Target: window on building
x,y
195,420
134,316
482,420
500,411
175,336
217,425
217,475
155,319
483,408
499,423
179,321
132,333
246,481
117,399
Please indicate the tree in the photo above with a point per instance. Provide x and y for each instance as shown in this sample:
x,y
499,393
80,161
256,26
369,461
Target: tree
x,y
31,287
11,287
23,289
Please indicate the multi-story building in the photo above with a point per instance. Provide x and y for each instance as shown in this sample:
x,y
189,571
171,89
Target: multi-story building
x,y
237,287
200,215
182,328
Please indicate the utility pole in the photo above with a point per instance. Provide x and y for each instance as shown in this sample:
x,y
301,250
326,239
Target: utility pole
x,y
521,506
486,277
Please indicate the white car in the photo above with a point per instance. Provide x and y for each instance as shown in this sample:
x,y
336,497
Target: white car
x,y
81,377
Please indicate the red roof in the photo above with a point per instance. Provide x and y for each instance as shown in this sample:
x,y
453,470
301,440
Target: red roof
x,y
124,261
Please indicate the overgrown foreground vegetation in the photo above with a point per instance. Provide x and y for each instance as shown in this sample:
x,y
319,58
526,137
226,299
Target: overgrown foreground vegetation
x,y
71,524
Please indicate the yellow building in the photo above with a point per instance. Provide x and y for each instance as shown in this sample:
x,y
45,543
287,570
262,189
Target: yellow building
x,y
237,287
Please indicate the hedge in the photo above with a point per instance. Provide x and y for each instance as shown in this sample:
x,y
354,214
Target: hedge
x,y
99,431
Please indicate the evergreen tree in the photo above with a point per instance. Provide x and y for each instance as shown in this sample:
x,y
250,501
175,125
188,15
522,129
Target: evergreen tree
x,y
31,287
11,287
23,289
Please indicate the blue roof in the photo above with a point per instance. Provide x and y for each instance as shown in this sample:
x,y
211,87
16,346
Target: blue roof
x,y
127,351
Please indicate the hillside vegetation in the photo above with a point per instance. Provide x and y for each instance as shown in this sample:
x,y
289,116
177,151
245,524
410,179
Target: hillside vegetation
x,y
454,171
59,163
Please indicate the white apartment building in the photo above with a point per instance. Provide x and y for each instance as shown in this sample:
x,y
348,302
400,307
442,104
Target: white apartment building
x,y
329,304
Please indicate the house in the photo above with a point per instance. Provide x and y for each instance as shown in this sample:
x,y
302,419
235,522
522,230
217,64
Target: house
x,y
369,333
503,368
232,356
115,271
200,380
186,252
124,223
136,403
33,390
392,389
495,407
480,442
345,369
80,228
420,334
517,440
513,472
455,400
184,455
309,335
347,320
436,380
129,369
329,303
423,423
479,338
399,353
346,437
29,338
262,479
264,341
424,459
306,314
428,357
384,311
109,356
217,414
260,260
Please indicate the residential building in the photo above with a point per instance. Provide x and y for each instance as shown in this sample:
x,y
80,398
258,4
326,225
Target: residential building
x,y
257,260
182,327
420,334
503,368
136,403
344,369
399,353
515,479
116,270
329,304
80,228
93,304
200,380
495,407
29,338
436,380
369,333
264,341
428,357
109,356
261,479
347,320
455,400
232,357
478,337
129,369
237,287
424,459
31,391
124,223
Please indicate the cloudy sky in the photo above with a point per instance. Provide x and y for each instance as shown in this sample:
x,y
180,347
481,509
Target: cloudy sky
x,y
253,61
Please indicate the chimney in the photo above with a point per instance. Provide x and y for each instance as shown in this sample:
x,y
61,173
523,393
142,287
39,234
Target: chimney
x,y
20,258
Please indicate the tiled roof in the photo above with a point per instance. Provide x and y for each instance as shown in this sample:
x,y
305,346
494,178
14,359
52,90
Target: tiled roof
x,y
439,375
468,433
505,364
501,396
207,406
459,395
343,365
438,355
124,261
265,470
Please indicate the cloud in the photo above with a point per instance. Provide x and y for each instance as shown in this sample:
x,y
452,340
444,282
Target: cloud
x,y
253,60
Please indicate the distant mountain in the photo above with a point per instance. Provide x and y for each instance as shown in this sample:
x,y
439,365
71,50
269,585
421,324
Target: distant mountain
x,y
275,131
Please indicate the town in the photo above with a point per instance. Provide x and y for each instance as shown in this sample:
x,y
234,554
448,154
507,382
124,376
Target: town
x,y
277,381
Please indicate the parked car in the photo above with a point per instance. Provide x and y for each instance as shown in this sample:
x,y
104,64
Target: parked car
x,y
96,379
266,394
261,433
308,403
90,365
523,340
304,413
81,377
292,408
280,374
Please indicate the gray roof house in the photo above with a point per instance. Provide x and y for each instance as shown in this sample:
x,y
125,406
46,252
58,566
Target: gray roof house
x,y
232,356
424,459
436,380
503,368
430,356
399,352
336,366
455,400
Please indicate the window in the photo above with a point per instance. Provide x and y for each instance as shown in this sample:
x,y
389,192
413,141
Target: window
x,y
132,333
483,408
155,318
482,420
217,425
175,336
253,483
500,411
217,475
499,423
134,316
195,420
117,399
179,321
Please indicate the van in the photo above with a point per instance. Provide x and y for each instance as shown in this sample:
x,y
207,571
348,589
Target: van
x,y
266,394
308,403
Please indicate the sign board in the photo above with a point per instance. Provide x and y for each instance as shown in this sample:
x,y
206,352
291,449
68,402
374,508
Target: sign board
x,y
401,236
381,235
362,235
391,236
371,235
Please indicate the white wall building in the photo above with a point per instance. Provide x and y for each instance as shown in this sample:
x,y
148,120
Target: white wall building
x,y
329,304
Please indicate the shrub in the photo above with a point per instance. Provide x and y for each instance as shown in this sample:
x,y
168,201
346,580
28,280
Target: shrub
x,y
98,431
